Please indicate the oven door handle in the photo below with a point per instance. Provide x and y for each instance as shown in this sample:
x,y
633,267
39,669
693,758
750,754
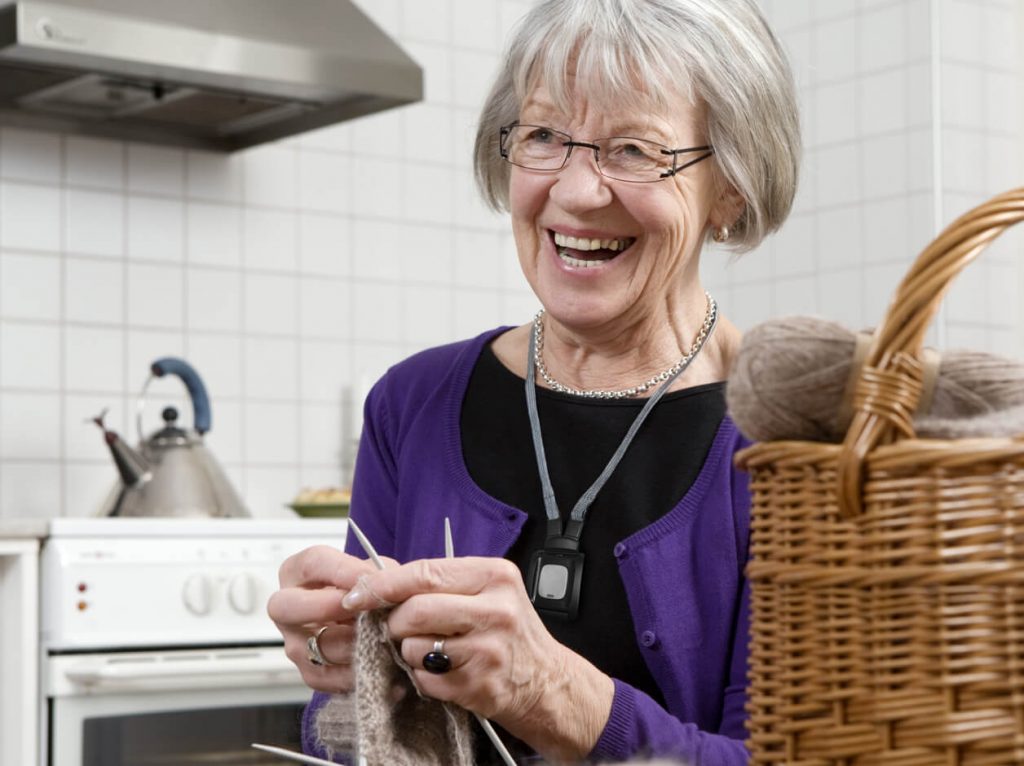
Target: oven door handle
x,y
213,668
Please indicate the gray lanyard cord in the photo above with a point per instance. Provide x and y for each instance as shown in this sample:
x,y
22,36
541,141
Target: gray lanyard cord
x,y
574,526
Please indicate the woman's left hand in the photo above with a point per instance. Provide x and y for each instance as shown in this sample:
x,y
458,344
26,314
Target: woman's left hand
x,y
506,666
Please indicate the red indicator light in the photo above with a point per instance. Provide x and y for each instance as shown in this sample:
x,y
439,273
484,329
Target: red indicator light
x,y
82,587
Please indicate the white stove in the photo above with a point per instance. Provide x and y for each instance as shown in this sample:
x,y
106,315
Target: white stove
x,y
129,583
149,621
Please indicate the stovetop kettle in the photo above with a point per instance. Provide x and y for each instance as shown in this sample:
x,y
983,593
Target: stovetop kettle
x,y
172,473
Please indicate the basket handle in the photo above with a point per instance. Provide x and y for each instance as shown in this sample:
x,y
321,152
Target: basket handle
x,y
889,387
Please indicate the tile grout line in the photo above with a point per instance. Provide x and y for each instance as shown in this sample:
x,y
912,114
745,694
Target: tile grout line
x,y
2,323
297,159
62,481
243,344
939,322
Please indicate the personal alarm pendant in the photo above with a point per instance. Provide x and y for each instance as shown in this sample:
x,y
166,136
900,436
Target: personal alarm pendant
x,y
555,576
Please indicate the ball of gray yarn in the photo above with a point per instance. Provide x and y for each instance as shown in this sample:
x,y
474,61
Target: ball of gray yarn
x,y
790,376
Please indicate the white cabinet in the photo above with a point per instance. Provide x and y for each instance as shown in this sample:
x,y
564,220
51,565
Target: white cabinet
x,y
19,649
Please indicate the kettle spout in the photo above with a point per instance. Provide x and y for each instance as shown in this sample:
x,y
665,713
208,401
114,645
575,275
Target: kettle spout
x,y
133,467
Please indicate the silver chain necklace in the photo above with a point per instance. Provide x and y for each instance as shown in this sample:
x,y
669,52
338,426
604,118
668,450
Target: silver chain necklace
x,y
626,393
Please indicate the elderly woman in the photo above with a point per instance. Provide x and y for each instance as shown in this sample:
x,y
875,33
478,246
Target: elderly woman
x,y
597,607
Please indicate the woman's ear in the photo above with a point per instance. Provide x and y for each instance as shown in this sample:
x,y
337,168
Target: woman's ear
x,y
728,208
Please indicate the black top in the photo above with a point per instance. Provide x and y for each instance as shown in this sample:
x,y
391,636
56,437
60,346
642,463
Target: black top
x,y
580,436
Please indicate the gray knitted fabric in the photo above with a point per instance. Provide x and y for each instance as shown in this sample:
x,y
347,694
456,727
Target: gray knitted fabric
x,y
414,731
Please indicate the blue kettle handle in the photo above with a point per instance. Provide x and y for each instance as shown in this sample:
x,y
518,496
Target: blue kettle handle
x,y
172,365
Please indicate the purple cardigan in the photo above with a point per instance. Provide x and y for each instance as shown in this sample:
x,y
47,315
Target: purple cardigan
x,y
683,574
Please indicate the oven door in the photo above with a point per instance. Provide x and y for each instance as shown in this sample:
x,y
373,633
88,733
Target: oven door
x,y
178,707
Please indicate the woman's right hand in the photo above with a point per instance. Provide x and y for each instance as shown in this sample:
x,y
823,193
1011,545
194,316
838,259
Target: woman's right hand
x,y
313,583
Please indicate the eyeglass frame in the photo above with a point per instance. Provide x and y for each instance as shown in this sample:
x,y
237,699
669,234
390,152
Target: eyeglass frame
x,y
569,145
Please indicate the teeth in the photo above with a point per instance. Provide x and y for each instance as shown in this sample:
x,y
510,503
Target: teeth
x,y
585,243
576,262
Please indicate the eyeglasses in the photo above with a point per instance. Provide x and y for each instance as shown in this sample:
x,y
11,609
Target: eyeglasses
x,y
622,158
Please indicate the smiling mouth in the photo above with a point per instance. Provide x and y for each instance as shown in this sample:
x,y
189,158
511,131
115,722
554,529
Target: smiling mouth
x,y
587,252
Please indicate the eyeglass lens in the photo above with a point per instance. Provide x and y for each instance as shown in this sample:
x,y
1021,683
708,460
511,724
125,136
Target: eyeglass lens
x,y
623,158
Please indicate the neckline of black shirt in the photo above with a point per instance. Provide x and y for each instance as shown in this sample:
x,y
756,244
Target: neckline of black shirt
x,y
580,434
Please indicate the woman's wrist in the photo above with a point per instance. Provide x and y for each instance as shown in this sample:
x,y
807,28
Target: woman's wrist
x,y
566,721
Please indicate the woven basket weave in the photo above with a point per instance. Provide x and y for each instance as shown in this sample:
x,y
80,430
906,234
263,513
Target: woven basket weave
x,y
887,572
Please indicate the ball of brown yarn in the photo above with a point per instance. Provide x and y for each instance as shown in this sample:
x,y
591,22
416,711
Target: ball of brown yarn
x,y
790,376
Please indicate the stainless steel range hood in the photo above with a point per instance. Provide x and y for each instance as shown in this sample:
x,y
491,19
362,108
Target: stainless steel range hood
x,y
213,74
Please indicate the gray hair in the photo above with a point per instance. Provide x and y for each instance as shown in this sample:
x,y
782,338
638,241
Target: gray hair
x,y
643,54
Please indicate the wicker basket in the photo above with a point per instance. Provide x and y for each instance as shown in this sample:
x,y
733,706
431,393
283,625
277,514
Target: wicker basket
x,y
887,572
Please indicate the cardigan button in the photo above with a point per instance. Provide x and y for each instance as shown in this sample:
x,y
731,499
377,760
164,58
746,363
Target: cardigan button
x,y
649,639
619,550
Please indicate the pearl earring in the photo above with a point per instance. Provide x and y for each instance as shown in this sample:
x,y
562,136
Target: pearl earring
x,y
721,234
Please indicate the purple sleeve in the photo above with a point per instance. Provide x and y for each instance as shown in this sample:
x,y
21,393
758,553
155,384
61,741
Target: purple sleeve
x,y
309,743
734,715
373,492
639,725
375,484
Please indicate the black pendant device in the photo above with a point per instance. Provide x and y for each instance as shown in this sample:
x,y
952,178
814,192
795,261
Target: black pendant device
x,y
556,573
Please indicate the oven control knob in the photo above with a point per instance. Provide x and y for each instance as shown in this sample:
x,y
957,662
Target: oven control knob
x,y
242,593
198,594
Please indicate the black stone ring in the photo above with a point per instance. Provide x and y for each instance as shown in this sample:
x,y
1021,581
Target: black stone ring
x,y
436,661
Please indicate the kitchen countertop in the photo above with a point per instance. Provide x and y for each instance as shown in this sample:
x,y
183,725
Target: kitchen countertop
x,y
24,529
29,528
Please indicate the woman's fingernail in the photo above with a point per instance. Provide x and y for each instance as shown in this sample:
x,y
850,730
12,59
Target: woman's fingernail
x,y
354,598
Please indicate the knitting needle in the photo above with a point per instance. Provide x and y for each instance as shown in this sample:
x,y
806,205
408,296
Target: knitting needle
x,y
449,546
300,757
449,552
506,756
367,548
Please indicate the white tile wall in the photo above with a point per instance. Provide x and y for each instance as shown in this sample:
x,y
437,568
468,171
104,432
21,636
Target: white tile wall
x,y
30,356
325,371
30,286
30,156
155,295
94,223
981,138
31,216
865,73
31,488
291,275
156,229
93,163
271,368
270,239
219,356
214,299
30,426
271,303
324,181
324,308
155,169
325,246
